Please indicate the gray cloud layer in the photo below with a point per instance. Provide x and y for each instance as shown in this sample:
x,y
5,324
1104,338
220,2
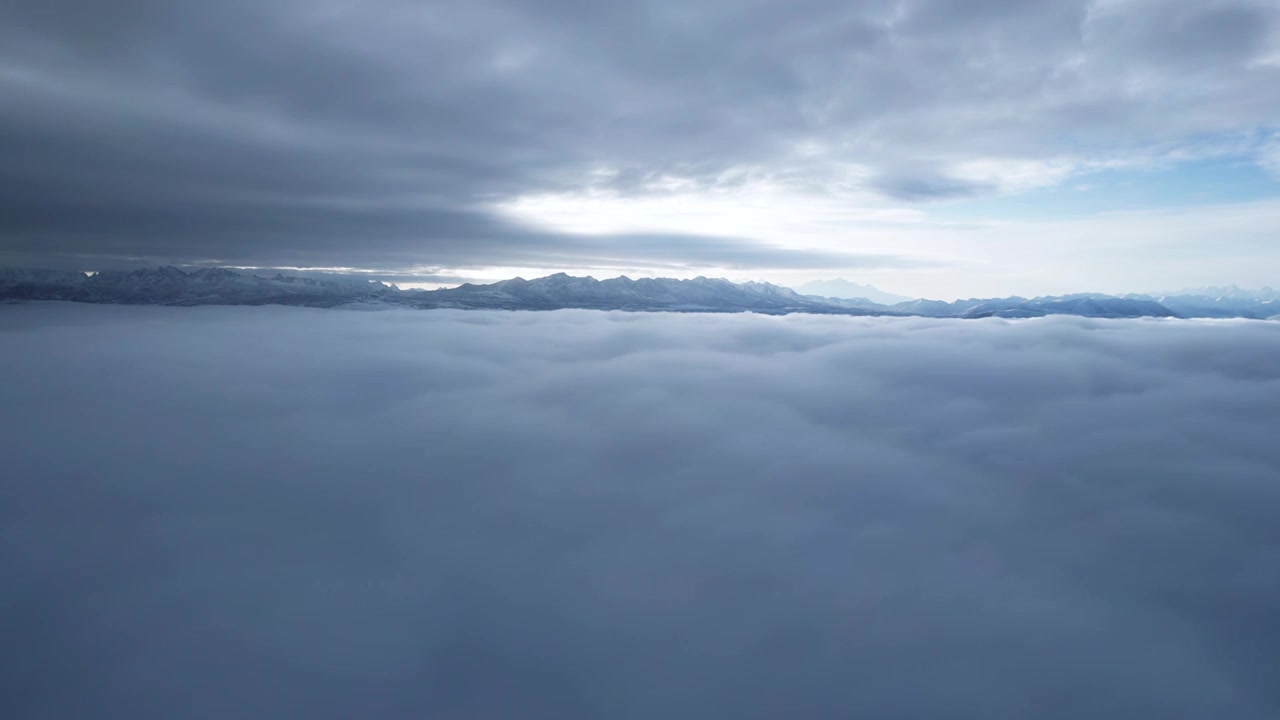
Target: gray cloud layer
x,y
373,133
264,512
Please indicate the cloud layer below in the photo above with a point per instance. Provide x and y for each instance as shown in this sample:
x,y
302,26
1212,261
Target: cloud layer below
x,y
271,512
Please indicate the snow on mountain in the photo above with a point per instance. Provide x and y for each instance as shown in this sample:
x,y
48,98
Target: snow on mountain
x,y
1230,292
1097,306
939,308
846,290
623,293
1225,302
221,286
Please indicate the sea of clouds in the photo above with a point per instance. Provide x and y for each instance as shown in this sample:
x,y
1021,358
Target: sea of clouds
x,y
297,513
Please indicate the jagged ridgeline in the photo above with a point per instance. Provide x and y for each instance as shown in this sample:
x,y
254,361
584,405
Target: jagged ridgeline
x,y
220,286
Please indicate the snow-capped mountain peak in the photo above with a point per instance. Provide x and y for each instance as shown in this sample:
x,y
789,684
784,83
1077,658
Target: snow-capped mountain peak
x,y
223,286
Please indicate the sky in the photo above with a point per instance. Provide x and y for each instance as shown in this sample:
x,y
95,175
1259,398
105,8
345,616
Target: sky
x,y
303,513
937,148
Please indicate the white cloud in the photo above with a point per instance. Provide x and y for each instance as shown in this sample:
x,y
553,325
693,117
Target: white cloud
x,y
1269,155
739,204
1114,252
280,512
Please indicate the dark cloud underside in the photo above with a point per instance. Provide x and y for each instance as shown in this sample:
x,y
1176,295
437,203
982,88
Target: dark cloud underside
x,y
296,132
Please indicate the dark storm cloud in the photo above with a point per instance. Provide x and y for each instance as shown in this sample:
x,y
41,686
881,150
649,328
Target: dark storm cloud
x,y
266,512
275,132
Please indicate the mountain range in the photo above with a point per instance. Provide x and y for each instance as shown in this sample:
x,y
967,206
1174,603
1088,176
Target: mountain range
x,y
846,290
221,286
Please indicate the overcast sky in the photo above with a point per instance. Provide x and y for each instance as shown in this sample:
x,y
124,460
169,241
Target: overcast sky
x,y
931,147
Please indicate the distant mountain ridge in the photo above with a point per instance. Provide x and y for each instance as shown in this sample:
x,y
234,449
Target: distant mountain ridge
x,y
623,293
1230,292
172,286
846,290
221,286
1223,302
